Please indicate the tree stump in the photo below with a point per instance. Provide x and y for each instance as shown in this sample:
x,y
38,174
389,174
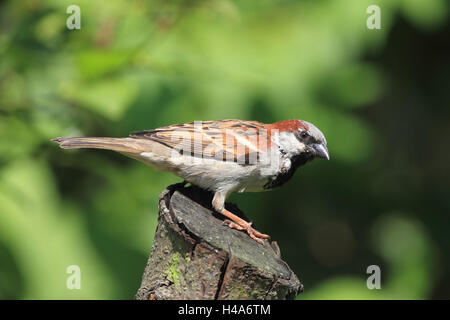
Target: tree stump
x,y
195,256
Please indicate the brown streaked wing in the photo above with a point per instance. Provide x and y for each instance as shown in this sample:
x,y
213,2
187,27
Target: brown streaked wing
x,y
223,140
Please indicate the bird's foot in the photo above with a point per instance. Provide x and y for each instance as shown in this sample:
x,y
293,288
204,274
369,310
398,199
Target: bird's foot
x,y
247,226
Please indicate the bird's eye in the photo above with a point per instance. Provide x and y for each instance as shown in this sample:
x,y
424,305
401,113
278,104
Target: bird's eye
x,y
303,134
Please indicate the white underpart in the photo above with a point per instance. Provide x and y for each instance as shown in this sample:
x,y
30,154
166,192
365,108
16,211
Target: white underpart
x,y
290,144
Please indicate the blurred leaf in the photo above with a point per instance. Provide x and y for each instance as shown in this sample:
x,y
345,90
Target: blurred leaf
x,y
353,86
49,28
403,243
18,138
45,238
109,98
342,288
93,64
428,14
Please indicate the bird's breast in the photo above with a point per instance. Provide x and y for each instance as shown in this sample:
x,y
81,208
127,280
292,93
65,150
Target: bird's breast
x,y
287,170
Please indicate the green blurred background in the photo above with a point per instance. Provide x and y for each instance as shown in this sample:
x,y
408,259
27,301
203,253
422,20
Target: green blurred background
x,y
380,96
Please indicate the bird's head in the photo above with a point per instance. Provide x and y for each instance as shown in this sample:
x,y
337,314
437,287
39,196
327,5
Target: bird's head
x,y
301,137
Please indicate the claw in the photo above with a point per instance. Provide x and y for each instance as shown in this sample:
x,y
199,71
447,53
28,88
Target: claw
x,y
247,226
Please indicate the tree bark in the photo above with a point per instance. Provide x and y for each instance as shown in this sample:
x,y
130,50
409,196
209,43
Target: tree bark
x,y
195,256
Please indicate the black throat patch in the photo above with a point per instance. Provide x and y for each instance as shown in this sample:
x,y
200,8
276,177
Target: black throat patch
x,y
283,177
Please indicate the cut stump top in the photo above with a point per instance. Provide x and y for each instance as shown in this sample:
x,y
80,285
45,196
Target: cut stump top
x,y
196,256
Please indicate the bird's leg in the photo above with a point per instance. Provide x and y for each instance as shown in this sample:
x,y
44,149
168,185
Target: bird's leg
x,y
236,222
240,224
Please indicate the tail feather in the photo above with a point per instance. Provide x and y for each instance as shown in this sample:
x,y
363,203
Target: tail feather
x,y
128,145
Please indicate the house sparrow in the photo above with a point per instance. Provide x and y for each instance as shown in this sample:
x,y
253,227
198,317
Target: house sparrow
x,y
221,156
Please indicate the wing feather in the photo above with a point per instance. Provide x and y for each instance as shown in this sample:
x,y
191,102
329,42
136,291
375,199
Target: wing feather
x,y
223,140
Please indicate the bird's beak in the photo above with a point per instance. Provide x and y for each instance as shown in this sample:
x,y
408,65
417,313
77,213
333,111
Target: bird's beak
x,y
321,151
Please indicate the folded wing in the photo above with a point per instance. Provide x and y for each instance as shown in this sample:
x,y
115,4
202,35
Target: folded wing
x,y
224,140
